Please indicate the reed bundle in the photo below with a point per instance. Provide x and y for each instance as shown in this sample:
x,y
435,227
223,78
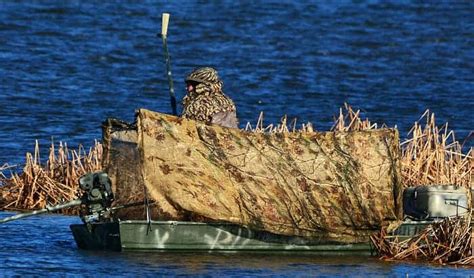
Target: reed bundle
x,y
347,120
433,156
445,242
284,126
51,183
350,120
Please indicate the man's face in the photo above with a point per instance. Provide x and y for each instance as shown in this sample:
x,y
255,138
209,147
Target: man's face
x,y
191,86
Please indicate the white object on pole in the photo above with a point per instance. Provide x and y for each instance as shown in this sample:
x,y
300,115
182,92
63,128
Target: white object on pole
x,y
165,18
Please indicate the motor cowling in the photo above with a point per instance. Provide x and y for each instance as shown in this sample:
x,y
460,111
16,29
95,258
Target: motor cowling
x,y
97,196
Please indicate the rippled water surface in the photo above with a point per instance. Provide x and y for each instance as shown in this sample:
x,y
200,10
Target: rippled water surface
x,y
43,245
66,66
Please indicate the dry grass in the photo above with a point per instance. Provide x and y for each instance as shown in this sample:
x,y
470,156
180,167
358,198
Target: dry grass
x,y
347,120
283,126
433,156
51,183
350,120
430,156
445,242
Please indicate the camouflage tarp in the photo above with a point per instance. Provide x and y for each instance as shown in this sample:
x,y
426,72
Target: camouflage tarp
x,y
331,186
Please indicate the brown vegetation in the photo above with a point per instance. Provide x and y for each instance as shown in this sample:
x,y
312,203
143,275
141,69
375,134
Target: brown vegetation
x,y
445,242
51,183
433,156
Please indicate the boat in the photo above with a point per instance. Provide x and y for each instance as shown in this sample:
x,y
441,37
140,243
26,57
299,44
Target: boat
x,y
154,224
152,197
186,236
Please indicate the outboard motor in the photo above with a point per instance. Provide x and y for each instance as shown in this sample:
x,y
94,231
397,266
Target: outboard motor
x,y
96,198
95,202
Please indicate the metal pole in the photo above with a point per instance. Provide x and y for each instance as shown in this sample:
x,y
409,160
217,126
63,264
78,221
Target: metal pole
x,y
147,210
164,31
69,204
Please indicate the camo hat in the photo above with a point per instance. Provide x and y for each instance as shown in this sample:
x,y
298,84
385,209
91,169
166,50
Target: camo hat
x,y
207,98
205,75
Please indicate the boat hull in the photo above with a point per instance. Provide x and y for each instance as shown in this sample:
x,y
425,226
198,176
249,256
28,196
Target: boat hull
x,y
100,236
181,236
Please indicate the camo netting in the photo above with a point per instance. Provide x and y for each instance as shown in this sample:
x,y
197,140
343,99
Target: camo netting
x,y
330,186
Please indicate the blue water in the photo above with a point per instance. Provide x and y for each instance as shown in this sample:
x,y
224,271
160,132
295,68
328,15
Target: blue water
x,y
66,66
43,245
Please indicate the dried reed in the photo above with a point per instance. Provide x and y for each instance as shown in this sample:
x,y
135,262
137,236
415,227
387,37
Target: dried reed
x,y
350,120
433,156
445,242
347,120
52,183
283,127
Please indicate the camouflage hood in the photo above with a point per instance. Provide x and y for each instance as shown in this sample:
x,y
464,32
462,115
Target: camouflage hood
x,y
208,98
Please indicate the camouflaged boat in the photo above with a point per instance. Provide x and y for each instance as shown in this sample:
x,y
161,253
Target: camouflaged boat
x,y
172,184
208,187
